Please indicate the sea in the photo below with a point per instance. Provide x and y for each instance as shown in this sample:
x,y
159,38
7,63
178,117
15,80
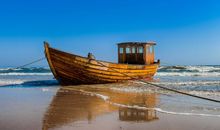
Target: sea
x,y
201,78
30,98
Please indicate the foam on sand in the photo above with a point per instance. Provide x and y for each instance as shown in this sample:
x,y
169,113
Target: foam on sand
x,y
11,82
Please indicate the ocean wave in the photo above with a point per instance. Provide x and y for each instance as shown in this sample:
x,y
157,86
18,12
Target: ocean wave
x,y
23,74
189,69
41,83
5,83
25,70
202,74
6,69
189,83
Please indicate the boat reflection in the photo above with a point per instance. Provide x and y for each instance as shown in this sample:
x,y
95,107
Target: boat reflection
x,y
134,114
131,114
69,106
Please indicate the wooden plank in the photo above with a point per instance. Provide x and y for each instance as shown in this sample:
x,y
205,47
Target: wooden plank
x,y
103,72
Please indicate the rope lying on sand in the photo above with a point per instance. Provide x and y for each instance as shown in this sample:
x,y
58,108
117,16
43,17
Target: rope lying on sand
x,y
162,87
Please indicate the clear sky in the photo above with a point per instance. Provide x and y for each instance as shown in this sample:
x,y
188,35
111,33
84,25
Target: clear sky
x,y
187,32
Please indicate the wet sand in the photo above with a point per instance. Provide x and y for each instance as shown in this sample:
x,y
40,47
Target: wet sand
x,y
98,107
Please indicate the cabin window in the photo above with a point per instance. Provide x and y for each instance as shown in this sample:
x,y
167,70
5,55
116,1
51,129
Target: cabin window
x,y
133,50
128,50
140,49
151,49
121,50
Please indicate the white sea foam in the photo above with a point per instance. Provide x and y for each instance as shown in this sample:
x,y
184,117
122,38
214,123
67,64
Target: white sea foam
x,y
185,113
11,82
202,74
191,68
163,111
105,98
189,83
132,89
203,68
205,93
45,89
3,69
185,83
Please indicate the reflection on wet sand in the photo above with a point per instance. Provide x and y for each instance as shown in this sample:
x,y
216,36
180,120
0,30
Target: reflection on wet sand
x,y
71,105
131,114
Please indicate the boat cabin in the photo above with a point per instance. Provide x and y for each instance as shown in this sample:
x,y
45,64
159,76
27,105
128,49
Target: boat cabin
x,y
136,53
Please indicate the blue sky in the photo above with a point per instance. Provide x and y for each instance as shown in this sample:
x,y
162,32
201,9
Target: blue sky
x,y
186,31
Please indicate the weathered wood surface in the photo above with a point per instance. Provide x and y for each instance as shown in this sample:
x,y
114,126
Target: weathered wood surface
x,y
71,69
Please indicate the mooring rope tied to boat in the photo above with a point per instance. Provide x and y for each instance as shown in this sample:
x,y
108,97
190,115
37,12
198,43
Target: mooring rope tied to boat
x,y
159,86
32,62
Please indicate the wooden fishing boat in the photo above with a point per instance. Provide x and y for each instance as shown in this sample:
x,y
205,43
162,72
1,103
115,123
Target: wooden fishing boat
x,y
135,61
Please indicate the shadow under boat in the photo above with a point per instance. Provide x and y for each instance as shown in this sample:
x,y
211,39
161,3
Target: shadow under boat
x,y
69,106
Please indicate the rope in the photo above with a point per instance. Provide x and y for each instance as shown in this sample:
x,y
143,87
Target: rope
x,y
162,87
35,61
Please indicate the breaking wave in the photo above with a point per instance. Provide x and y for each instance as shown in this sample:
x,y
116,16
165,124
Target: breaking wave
x,y
214,68
190,83
202,74
25,71
5,83
204,71
20,74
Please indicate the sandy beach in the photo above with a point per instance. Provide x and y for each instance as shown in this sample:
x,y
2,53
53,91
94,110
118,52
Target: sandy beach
x,y
98,107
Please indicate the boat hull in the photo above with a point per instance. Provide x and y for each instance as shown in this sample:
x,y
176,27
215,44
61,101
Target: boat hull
x,y
70,69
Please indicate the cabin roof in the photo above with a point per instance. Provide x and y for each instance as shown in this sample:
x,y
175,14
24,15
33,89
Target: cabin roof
x,y
137,43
